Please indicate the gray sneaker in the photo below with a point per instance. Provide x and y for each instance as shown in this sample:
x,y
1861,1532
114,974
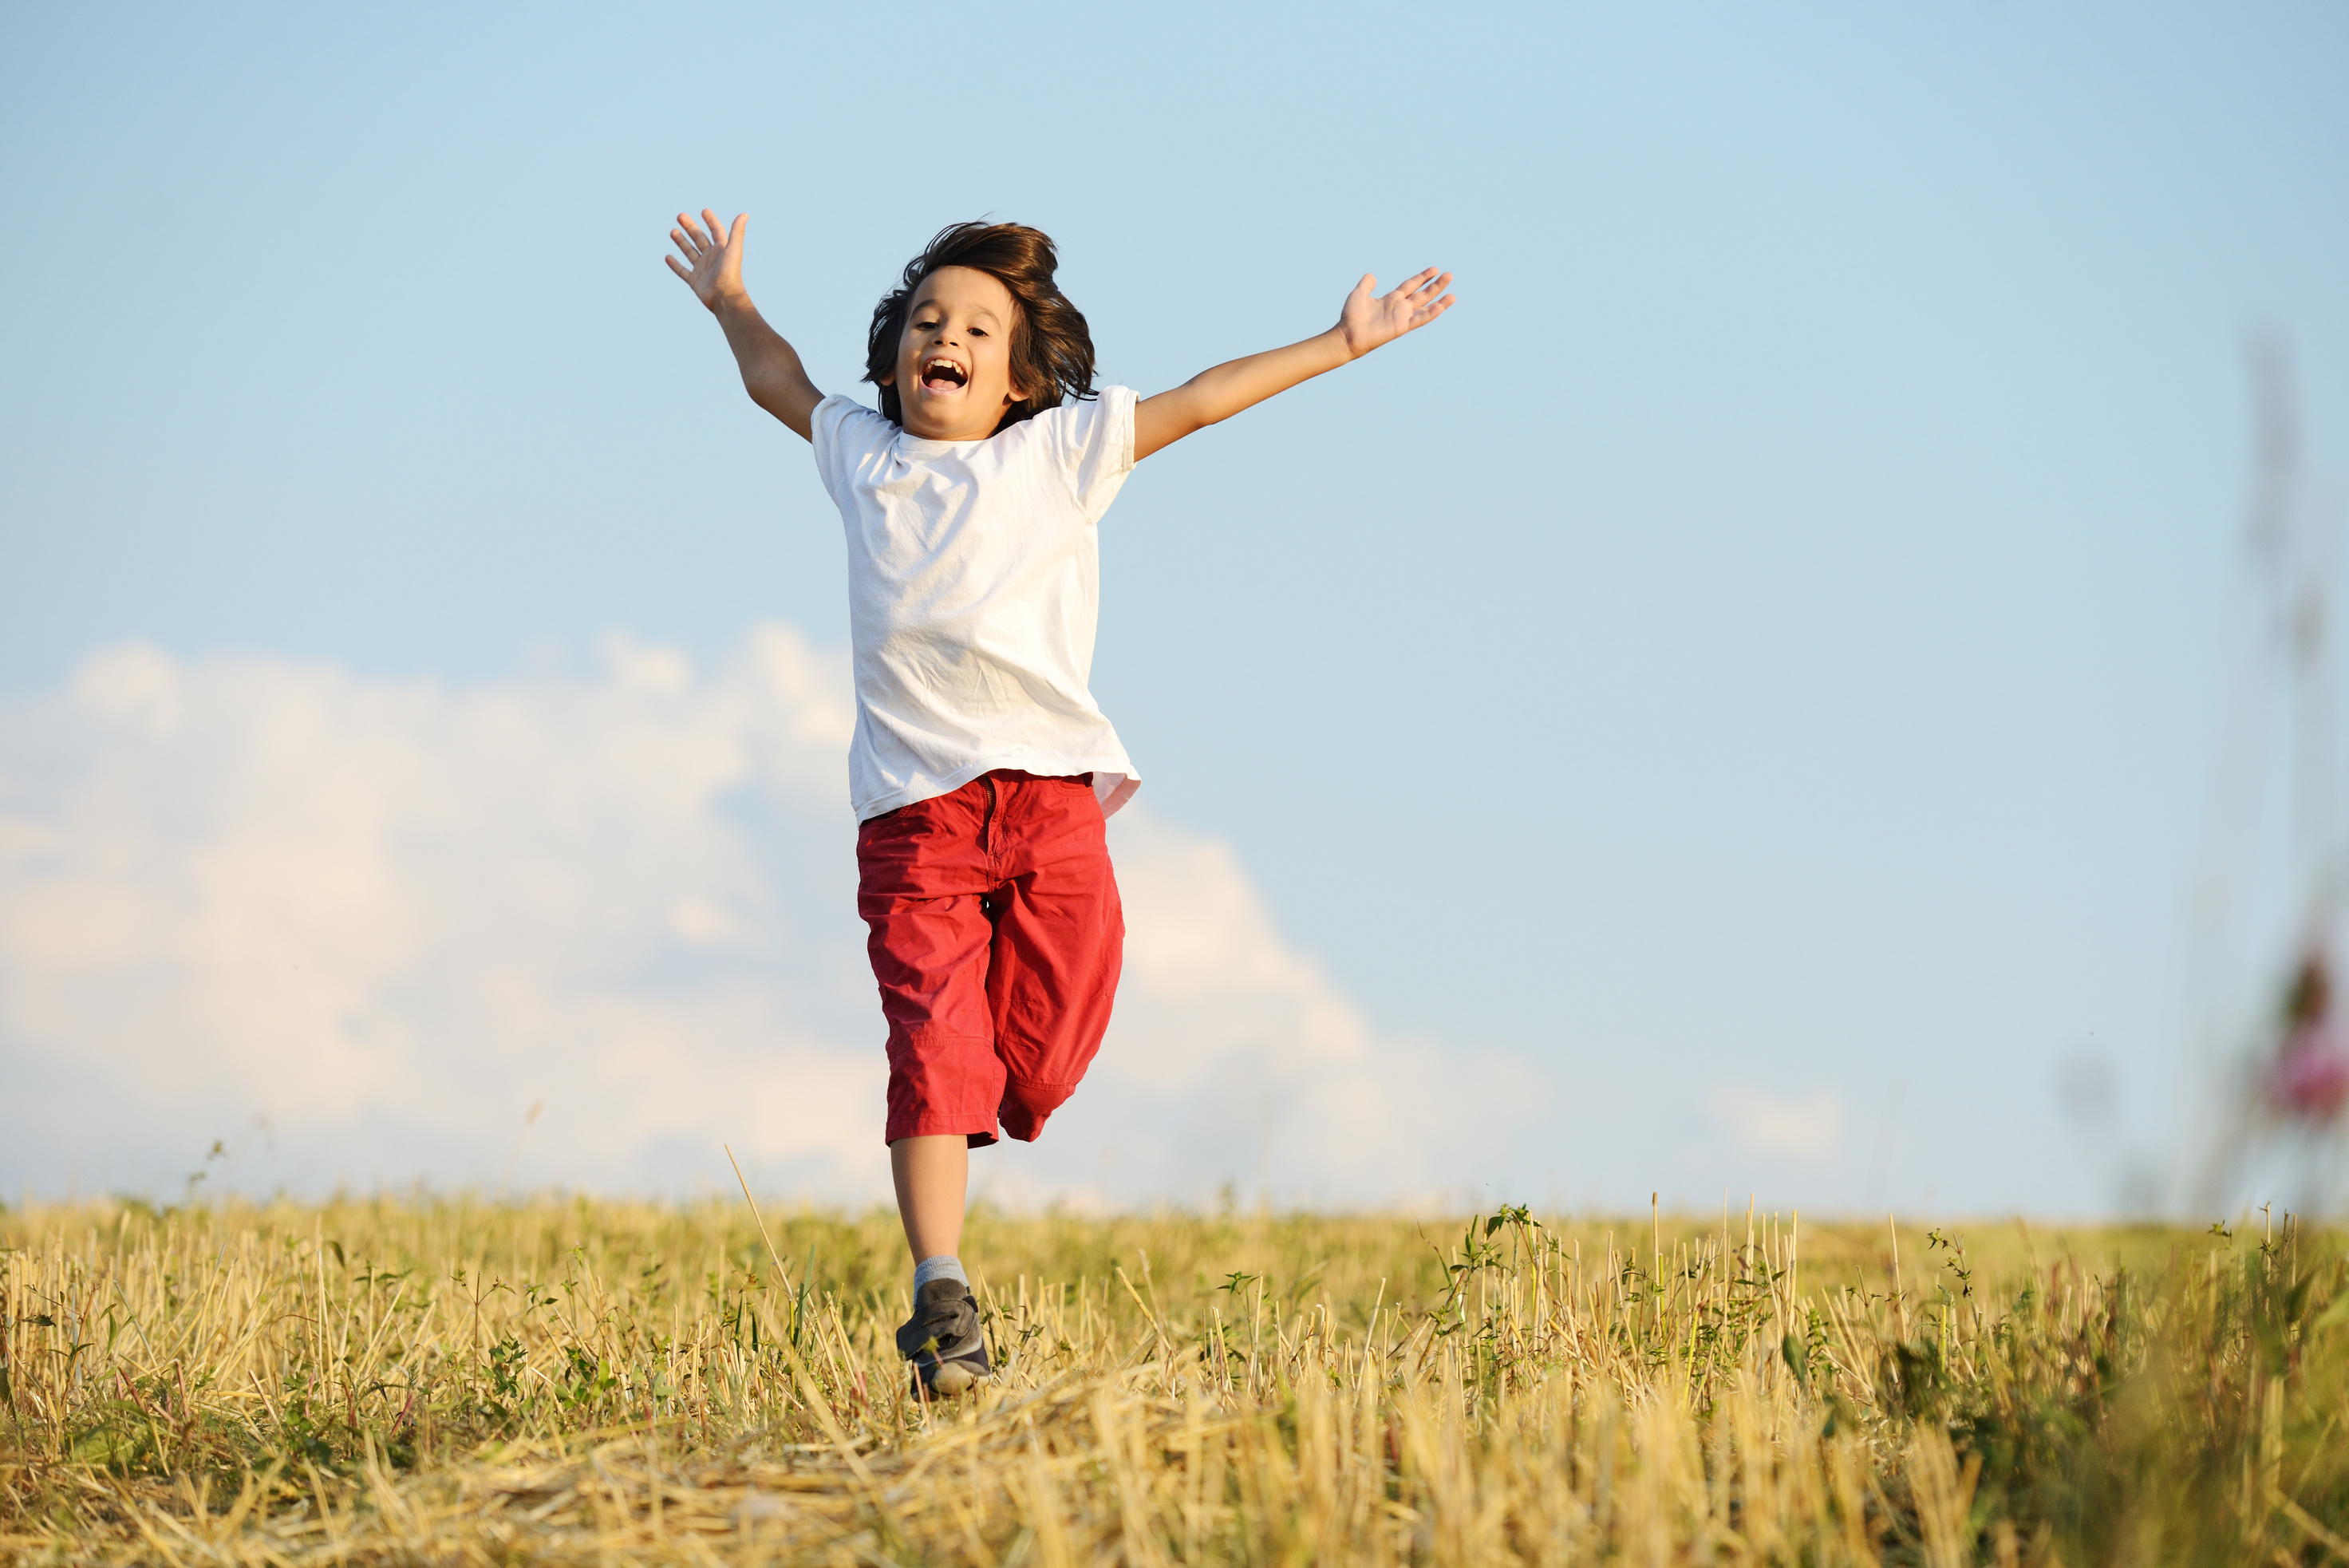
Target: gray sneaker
x,y
944,1341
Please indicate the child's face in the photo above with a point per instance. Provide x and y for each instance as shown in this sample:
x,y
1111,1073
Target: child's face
x,y
954,360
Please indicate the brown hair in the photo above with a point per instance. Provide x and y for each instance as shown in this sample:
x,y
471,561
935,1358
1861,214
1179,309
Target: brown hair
x,y
1052,348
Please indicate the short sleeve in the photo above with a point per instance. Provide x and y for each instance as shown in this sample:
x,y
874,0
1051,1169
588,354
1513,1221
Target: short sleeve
x,y
1093,441
843,432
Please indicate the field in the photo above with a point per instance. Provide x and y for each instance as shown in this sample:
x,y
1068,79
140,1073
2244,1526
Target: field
x,y
441,1380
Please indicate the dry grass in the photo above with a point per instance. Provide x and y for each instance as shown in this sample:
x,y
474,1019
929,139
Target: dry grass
x,y
439,1380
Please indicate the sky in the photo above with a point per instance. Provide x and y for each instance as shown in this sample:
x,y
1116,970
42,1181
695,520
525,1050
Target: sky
x,y
1731,707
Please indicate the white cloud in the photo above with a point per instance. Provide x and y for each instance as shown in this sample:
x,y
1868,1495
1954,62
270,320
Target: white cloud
x,y
1809,1129
358,927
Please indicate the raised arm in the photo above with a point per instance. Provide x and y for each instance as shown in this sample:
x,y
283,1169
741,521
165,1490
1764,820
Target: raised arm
x,y
771,371
1366,322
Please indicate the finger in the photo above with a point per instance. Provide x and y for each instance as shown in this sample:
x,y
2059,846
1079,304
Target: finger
x,y
734,234
679,268
692,233
1433,285
692,251
717,229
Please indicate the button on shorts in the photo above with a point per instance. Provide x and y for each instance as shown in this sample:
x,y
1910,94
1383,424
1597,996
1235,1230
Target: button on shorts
x,y
996,937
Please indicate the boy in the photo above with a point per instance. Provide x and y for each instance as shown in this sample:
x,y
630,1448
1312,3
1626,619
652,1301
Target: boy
x,y
982,771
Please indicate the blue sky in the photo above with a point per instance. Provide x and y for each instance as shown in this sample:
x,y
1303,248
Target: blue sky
x,y
1765,640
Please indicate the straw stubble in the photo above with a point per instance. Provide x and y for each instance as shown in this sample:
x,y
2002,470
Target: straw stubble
x,y
563,1380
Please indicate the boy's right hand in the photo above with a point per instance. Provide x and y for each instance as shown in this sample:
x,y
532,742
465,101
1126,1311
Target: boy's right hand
x,y
716,272
771,371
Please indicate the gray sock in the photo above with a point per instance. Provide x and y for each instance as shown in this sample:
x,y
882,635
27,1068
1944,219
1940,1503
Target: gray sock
x,y
945,1266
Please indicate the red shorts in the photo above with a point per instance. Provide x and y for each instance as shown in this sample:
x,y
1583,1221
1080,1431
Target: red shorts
x,y
997,939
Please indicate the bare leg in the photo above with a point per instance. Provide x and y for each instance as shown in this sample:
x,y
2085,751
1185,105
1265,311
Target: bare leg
x,y
933,1175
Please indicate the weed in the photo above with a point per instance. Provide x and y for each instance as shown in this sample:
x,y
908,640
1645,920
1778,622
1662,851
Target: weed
x,y
440,1379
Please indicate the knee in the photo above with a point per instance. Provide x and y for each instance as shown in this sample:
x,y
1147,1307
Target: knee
x,y
1025,1107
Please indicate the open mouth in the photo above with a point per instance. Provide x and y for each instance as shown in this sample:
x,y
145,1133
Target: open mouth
x,y
941,374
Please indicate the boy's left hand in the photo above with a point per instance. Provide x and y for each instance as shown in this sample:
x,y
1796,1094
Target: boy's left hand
x,y
1367,322
1218,393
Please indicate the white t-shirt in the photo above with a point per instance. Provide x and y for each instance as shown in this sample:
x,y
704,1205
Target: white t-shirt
x,y
974,587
